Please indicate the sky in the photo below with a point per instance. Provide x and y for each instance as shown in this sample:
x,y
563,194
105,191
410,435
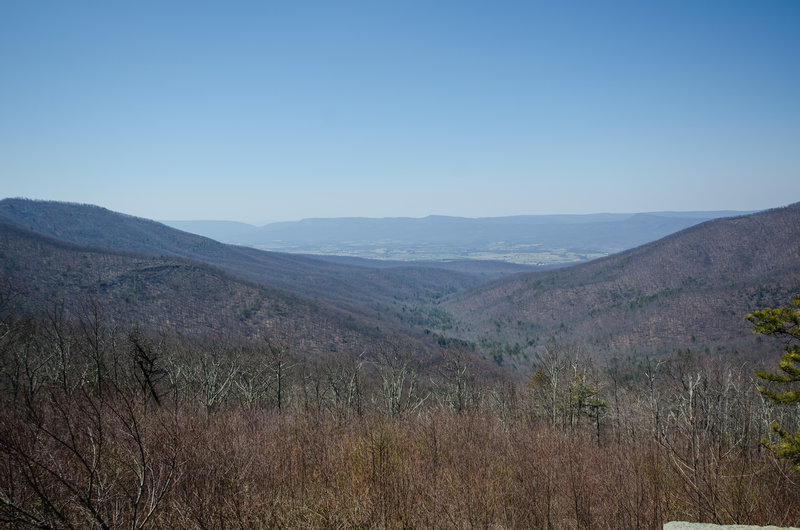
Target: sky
x,y
270,111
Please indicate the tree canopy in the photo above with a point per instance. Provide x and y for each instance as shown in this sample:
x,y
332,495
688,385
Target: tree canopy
x,y
781,387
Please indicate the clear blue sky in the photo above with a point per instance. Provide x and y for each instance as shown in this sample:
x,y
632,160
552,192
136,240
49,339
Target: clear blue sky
x,y
262,111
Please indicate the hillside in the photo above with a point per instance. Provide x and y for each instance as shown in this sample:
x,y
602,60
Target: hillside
x,y
249,435
691,289
688,290
172,295
374,290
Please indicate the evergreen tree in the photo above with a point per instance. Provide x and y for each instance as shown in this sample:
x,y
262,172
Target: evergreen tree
x,y
782,387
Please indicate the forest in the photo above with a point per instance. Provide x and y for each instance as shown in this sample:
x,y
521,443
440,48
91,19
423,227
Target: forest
x,y
104,425
389,265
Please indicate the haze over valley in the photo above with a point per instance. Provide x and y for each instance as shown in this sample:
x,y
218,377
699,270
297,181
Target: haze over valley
x,y
543,240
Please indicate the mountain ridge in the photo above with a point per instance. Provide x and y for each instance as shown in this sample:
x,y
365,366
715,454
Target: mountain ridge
x,y
531,239
690,289
42,276
359,287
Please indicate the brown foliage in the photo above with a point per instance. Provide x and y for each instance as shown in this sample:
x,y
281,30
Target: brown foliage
x,y
679,440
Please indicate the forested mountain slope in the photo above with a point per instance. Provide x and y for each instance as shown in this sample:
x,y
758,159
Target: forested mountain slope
x,y
691,289
380,290
41,275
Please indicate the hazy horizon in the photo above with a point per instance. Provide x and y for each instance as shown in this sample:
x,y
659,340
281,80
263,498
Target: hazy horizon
x,y
258,112
266,222
733,212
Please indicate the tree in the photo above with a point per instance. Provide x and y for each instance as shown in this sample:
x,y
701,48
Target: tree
x,y
785,323
279,364
399,381
457,388
584,401
548,382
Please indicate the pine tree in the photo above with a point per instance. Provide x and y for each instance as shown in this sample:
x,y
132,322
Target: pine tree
x,y
782,322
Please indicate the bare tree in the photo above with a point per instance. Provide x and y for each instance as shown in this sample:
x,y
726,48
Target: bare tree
x,y
343,376
86,459
456,387
399,382
280,365
549,382
97,341
211,376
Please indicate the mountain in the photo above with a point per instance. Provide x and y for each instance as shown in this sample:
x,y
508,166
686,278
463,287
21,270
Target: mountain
x,y
377,290
170,294
691,289
533,239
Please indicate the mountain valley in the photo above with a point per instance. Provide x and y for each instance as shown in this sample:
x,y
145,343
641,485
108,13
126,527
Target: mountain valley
x,y
535,240
269,389
689,290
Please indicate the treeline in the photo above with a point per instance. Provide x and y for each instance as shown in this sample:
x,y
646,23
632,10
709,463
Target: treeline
x,y
103,427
